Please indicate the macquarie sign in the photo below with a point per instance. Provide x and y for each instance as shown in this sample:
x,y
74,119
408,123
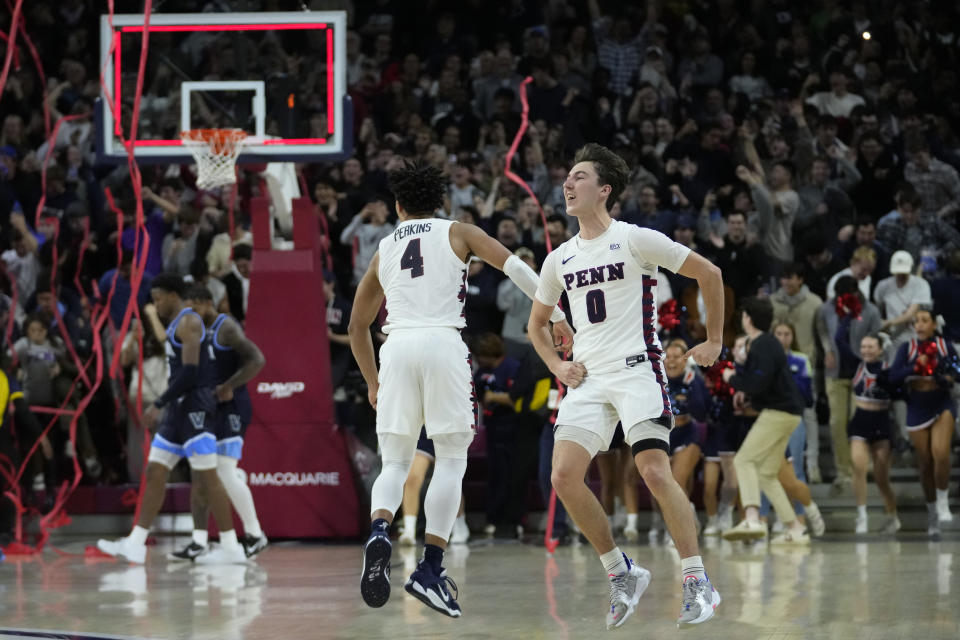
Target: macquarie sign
x,y
295,456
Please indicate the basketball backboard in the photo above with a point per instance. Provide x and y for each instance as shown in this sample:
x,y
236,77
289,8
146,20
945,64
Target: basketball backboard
x,y
279,76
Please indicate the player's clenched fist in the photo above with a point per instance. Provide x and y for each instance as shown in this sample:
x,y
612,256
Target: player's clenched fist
x,y
705,353
570,373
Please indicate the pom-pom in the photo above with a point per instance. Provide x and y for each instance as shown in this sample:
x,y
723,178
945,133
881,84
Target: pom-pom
x,y
849,306
669,315
926,348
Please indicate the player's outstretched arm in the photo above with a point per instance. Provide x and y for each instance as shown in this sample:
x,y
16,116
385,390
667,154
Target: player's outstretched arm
x,y
232,335
366,306
469,239
709,279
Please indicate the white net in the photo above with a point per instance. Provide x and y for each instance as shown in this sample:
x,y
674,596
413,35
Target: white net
x,y
215,151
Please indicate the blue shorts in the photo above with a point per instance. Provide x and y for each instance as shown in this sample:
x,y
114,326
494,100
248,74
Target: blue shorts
x,y
233,418
692,433
924,407
189,425
871,426
425,445
720,440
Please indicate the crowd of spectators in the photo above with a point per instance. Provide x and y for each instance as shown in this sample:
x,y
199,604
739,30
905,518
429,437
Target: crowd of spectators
x,y
791,143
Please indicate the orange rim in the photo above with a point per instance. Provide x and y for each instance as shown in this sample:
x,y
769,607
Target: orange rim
x,y
221,141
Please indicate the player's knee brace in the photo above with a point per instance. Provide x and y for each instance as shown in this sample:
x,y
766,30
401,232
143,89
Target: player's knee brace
x,y
452,445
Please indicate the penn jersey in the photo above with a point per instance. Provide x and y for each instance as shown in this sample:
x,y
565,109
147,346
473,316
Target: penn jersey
x,y
870,384
206,375
424,281
226,362
611,283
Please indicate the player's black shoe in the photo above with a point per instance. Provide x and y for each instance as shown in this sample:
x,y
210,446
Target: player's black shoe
x,y
188,554
375,579
253,545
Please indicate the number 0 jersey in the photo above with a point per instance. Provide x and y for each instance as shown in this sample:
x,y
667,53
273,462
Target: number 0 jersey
x,y
611,282
423,279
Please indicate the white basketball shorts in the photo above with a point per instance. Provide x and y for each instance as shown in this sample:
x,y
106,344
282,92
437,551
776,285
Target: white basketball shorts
x,y
633,396
425,380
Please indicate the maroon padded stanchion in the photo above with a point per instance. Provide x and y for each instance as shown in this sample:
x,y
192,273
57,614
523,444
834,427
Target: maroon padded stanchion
x,y
295,457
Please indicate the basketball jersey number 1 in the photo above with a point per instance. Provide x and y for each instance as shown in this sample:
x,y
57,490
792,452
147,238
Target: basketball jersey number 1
x,y
412,259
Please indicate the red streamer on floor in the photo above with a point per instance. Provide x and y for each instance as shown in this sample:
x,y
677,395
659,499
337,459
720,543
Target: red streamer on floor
x,y
548,540
99,313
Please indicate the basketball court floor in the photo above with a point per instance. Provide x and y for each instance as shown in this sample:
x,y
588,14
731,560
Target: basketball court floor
x,y
841,587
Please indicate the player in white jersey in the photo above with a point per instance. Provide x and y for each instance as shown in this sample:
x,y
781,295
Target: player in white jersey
x,y
609,271
425,376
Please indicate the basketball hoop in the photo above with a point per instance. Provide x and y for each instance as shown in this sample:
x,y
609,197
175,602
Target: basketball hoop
x,y
216,152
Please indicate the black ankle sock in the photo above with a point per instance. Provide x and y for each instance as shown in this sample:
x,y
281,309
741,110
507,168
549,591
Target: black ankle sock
x,y
380,525
433,556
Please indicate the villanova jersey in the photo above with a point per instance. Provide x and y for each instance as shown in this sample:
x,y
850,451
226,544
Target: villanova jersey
x,y
227,362
423,280
207,372
611,283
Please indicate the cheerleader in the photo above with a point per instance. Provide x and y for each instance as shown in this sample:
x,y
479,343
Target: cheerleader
x,y
723,429
922,365
689,398
869,433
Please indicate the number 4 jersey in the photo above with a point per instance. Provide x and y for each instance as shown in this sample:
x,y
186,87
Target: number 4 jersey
x,y
423,279
611,282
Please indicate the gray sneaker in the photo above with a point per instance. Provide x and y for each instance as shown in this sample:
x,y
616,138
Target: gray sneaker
x,y
890,525
700,601
625,591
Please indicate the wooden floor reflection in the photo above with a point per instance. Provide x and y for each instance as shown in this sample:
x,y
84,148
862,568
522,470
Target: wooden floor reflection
x,y
840,588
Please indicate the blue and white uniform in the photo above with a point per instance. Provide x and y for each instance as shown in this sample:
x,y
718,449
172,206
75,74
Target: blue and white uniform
x,y
189,423
923,407
233,417
870,387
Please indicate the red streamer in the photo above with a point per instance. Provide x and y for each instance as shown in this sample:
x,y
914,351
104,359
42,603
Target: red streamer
x,y
548,539
100,313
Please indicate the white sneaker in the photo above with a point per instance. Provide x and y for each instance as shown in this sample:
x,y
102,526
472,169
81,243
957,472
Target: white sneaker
x,y
891,525
631,534
223,555
461,532
861,524
816,524
746,530
124,548
712,528
790,537
777,527
943,513
725,517
407,539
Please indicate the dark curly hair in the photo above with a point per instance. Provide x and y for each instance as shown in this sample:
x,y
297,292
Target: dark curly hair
x,y
418,187
611,169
